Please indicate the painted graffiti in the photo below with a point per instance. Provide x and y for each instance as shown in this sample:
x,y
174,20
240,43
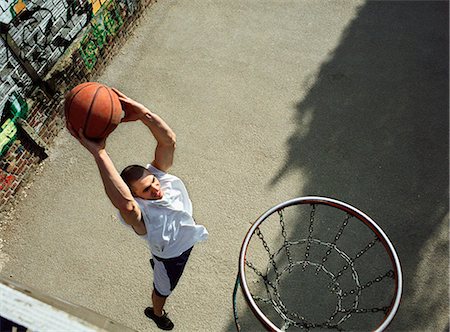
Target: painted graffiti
x,y
103,26
10,9
41,31
15,108
7,134
43,34
6,180
96,5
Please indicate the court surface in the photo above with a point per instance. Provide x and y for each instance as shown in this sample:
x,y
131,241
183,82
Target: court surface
x,y
269,100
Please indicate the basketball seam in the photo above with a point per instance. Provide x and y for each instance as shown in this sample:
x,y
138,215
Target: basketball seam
x,y
89,111
73,97
111,113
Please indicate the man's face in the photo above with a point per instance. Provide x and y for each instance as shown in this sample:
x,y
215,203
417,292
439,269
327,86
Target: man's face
x,y
147,187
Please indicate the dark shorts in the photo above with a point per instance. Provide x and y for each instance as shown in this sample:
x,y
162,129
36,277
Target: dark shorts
x,y
167,272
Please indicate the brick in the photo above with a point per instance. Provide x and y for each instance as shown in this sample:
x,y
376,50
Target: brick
x,y
10,167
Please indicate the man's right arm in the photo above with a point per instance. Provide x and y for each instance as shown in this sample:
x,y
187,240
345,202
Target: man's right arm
x,y
119,193
116,189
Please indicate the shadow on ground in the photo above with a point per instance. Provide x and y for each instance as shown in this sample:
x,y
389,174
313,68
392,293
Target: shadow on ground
x,y
373,131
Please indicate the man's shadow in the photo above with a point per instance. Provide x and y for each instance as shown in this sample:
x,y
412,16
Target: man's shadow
x,y
373,131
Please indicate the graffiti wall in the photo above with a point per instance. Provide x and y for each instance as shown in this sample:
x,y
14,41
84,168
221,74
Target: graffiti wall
x,y
34,36
103,27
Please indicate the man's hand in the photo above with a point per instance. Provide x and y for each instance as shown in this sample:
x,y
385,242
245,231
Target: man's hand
x,y
94,147
133,110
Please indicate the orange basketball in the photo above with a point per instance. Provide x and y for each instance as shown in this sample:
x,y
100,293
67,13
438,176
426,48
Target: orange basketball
x,y
93,107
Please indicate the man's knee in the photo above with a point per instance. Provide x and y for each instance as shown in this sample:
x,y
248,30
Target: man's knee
x,y
158,293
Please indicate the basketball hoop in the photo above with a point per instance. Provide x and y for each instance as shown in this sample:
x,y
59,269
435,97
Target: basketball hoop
x,y
339,251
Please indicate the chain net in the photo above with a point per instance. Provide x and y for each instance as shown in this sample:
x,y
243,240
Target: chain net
x,y
330,272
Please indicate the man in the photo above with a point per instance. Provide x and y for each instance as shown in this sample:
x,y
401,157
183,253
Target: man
x,y
153,203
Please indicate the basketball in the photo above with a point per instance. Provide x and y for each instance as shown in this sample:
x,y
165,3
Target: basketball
x,y
93,107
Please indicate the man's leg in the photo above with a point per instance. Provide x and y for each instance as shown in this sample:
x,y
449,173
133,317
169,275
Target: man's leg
x,y
156,313
158,304
161,282
166,274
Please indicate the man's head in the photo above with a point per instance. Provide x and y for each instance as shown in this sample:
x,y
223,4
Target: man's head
x,y
142,182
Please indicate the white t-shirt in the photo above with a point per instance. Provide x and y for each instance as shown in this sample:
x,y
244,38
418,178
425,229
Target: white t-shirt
x,y
171,230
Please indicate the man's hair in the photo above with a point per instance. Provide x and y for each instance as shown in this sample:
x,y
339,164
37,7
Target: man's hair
x,y
132,173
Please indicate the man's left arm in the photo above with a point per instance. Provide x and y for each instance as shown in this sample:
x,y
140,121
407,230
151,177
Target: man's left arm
x,y
164,135
166,141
